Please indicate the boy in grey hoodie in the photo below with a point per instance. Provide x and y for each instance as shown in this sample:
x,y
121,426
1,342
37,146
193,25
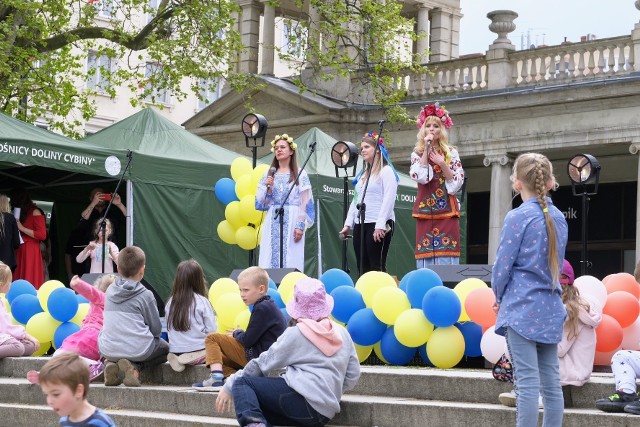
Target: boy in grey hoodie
x,y
130,337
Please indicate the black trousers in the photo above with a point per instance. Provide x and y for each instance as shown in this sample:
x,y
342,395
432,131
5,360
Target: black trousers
x,y
375,253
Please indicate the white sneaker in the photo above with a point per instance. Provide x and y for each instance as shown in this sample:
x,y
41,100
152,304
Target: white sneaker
x,y
175,364
508,399
193,358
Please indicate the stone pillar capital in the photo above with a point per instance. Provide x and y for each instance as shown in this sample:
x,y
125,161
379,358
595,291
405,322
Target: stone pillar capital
x,y
634,148
497,159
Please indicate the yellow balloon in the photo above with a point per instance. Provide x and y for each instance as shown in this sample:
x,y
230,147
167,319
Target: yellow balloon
x,y
83,310
445,347
412,328
363,352
222,286
232,214
378,352
463,289
45,290
244,186
227,232
228,306
240,166
371,282
242,320
224,329
388,303
247,237
42,326
287,284
44,347
258,172
248,210
5,301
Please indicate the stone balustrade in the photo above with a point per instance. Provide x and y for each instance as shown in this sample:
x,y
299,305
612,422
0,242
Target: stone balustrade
x,y
449,77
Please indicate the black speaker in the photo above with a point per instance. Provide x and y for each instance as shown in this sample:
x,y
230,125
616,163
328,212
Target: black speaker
x,y
92,277
452,274
276,274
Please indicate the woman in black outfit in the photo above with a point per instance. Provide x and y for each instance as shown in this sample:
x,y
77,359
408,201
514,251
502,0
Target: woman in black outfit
x,y
9,234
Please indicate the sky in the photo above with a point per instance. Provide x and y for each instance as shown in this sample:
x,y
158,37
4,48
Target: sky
x,y
552,20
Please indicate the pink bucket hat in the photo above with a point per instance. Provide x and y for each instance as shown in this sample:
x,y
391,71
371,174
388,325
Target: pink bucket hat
x,y
310,300
567,270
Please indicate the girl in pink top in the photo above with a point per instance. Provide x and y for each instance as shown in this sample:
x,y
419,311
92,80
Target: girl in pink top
x,y
85,341
14,339
94,250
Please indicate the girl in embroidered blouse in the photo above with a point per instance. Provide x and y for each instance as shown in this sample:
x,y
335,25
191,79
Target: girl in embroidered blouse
x,y
380,199
299,210
436,167
525,279
94,250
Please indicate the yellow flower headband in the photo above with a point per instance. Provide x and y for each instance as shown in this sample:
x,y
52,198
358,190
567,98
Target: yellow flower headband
x,y
283,137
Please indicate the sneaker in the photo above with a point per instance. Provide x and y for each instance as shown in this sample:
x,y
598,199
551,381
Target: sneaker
x,y
193,358
95,370
210,385
130,373
112,374
616,402
256,425
175,362
633,408
508,399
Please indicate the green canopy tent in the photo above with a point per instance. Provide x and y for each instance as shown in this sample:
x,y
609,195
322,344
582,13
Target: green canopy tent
x,y
172,207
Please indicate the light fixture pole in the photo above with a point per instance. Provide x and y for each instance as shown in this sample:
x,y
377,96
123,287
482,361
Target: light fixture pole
x,y
344,155
584,173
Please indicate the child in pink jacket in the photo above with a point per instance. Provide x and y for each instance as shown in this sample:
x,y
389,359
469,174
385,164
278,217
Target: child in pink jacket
x,y
85,341
14,339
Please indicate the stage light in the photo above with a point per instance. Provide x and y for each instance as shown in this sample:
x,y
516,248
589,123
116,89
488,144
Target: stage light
x,y
344,155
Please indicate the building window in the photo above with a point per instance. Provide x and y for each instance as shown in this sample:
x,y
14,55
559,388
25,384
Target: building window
x,y
209,90
294,36
153,72
99,70
104,7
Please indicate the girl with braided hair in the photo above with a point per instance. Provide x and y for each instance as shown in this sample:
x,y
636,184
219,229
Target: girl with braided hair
x,y
525,280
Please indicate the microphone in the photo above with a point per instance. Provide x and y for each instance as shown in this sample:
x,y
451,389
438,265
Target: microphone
x,y
344,236
381,122
272,172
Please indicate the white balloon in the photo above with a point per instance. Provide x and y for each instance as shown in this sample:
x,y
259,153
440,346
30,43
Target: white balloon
x,y
589,285
492,345
631,336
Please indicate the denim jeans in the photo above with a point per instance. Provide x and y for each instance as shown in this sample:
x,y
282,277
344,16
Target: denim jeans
x,y
440,260
271,401
535,365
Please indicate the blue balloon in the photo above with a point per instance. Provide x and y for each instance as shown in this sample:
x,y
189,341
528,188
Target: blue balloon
x,y
24,306
82,300
275,296
405,281
472,333
419,283
286,315
441,306
225,190
346,301
365,328
272,284
422,351
334,278
19,287
62,304
394,352
63,331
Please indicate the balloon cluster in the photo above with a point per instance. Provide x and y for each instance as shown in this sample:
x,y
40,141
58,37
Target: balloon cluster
x,y
240,226
49,314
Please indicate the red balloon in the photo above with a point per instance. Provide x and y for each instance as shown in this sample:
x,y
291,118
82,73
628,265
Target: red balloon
x,y
608,334
606,278
603,358
623,307
623,282
479,307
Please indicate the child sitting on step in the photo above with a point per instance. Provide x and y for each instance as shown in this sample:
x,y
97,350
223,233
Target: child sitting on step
x,y
190,317
64,380
130,338
14,339
321,364
85,341
225,354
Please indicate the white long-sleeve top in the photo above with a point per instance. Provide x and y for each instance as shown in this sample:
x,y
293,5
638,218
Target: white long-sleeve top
x,y
380,199
422,174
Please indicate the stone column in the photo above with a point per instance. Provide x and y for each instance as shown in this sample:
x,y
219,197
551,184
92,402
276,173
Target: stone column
x,y
499,199
635,149
635,38
314,33
440,42
499,69
422,29
268,37
250,35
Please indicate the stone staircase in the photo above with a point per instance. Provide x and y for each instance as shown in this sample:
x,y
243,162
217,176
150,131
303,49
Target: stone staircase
x,y
384,397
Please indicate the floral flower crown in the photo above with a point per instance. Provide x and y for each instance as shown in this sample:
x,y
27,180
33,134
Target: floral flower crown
x,y
435,110
373,135
283,137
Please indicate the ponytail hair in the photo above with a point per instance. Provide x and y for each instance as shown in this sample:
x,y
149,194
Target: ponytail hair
x,y
535,172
